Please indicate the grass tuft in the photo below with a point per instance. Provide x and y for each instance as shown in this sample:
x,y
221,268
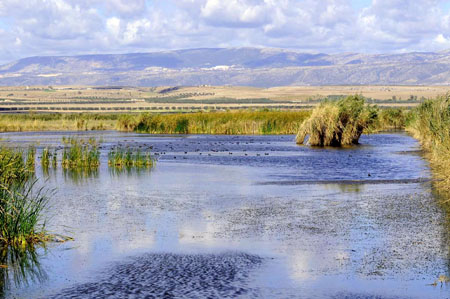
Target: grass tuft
x,y
337,123
21,202
79,153
120,158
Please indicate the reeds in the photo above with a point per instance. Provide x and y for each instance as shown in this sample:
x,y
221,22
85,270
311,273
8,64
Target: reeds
x,y
128,158
430,124
229,123
49,158
337,123
21,203
79,153
57,121
31,158
392,118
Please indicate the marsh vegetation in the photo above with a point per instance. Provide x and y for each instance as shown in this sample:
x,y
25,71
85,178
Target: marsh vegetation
x,y
78,154
430,124
128,158
228,123
337,123
21,201
57,122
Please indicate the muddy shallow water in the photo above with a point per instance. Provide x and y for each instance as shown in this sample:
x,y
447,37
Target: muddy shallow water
x,y
243,216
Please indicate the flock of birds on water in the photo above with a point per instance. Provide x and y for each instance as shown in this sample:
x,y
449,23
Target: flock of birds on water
x,y
180,152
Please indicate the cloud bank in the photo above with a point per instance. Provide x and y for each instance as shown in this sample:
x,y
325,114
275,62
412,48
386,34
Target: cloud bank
x,y
67,27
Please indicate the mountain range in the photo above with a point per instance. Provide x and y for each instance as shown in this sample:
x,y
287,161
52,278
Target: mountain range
x,y
259,67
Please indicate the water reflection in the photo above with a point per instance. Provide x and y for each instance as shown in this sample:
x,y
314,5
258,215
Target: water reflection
x,y
129,171
80,175
19,267
350,188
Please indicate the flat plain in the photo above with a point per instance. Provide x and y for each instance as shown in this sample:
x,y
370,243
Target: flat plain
x,y
195,98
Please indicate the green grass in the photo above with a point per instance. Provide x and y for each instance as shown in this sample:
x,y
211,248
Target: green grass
x,y
49,158
337,123
21,202
79,153
120,158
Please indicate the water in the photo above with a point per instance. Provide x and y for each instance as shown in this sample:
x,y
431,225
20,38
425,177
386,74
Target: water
x,y
243,216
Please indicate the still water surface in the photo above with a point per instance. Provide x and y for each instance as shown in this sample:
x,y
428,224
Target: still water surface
x,y
242,216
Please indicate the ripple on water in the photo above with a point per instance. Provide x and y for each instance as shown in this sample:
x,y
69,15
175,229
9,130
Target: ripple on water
x,y
167,275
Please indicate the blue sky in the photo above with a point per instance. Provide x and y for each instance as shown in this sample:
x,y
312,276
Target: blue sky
x,y
69,27
359,4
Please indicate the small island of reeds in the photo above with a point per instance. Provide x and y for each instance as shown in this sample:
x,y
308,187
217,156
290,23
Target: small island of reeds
x,y
337,123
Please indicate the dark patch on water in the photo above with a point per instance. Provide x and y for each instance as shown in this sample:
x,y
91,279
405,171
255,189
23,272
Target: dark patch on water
x,y
166,275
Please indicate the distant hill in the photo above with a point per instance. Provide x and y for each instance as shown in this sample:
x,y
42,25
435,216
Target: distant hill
x,y
231,66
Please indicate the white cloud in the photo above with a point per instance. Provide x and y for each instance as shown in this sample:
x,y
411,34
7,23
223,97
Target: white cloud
x,y
113,26
441,39
127,7
47,27
236,13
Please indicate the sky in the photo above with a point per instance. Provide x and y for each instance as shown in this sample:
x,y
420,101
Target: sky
x,y
71,27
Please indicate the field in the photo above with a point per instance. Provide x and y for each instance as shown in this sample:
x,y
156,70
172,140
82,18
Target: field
x,y
69,99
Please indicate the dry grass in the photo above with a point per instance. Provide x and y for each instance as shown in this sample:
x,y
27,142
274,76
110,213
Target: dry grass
x,y
242,122
337,123
56,122
430,123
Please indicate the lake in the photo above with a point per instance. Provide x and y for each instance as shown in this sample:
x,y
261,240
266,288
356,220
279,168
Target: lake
x,y
240,216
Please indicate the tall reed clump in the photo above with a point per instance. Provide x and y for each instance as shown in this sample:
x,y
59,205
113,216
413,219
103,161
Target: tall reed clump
x,y
127,158
236,123
21,203
78,154
337,123
430,124
392,118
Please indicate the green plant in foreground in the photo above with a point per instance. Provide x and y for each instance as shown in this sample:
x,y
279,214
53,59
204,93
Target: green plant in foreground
x,y
21,203
337,123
